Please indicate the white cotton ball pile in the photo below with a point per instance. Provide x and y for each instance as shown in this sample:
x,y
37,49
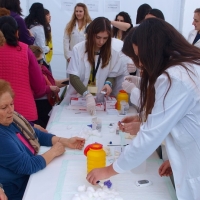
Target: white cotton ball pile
x,y
89,193
86,132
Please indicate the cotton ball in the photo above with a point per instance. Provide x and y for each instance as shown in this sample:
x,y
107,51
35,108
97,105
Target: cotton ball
x,y
106,190
83,196
89,194
99,190
95,194
82,188
91,189
102,194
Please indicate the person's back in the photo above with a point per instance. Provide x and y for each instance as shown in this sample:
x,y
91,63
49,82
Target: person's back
x,y
13,68
19,67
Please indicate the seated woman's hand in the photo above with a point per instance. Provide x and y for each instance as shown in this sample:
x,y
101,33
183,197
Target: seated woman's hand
x,y
165,169
2,195
57,149
75,143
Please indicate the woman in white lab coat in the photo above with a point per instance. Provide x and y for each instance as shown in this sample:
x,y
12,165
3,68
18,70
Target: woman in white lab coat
x,y
170,102
95,62
75,29
194,35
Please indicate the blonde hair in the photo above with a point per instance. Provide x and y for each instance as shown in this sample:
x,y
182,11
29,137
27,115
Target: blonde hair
x,y
2,39
5,87
86,19
37,51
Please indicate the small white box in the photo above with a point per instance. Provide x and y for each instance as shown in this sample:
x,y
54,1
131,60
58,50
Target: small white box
x,y
110,102
79,103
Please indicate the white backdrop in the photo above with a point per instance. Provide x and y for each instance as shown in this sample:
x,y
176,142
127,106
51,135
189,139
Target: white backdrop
x,y
179,13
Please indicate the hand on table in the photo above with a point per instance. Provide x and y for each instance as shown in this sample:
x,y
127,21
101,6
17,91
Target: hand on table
x,y
131,124
107,89
40,128
75,143
165,169
100,174
91,104
2,195
58,149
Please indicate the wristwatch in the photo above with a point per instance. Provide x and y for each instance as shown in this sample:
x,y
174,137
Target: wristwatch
x,y
1,186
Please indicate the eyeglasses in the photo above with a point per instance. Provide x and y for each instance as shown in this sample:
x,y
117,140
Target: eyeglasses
x,y
40,62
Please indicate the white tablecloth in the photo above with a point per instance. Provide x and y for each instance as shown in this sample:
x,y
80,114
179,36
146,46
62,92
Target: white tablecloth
x,y
61,178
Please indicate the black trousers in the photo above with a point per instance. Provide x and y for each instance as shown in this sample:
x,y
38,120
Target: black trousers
x,y
43,109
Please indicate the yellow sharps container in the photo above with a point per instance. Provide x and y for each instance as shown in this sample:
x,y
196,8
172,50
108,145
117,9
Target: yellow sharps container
x,y
96,156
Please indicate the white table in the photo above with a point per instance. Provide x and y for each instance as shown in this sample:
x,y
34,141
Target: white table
x,y
60,179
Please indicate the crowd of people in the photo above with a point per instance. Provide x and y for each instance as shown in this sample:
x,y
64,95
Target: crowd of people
x,y
151,61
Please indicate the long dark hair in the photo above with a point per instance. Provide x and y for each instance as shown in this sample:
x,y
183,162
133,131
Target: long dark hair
x,y
37,16
9,27
127,48
141,12
12,5
160,46
100,24
127,19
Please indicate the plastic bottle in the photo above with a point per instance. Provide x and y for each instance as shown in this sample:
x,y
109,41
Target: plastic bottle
x,y
122,96
96,156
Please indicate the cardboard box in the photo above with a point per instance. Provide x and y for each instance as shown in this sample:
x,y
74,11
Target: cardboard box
x,y
110,102
79,103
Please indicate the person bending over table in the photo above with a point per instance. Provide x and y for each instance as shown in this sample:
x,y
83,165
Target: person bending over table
x,y
170,105
19,145
95,63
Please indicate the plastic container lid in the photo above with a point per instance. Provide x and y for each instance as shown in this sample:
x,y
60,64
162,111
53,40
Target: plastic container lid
x,y
95,146
122,91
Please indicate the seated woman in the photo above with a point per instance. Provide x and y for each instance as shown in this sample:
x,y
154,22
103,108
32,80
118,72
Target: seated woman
x,y
19,145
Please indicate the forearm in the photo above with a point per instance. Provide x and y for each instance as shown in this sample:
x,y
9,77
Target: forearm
x,y
121,25
111,171
63,141
48,156
77,84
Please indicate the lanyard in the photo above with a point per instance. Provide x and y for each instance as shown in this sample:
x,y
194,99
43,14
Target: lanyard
x,y
94,71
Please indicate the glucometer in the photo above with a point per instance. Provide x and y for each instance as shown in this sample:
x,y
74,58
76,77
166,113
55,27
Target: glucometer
x,y
143,183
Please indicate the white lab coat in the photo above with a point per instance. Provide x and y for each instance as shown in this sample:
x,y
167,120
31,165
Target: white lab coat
x,y
178,122
191,37
69,41
80,66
